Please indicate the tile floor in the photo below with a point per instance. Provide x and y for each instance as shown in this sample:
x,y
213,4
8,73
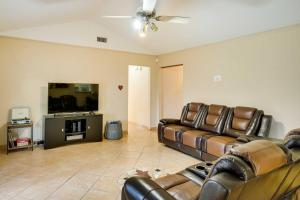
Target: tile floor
x,y
85,171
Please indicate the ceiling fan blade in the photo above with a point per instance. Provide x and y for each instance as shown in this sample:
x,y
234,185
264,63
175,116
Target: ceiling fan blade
x,y
149,5
173,19
118,17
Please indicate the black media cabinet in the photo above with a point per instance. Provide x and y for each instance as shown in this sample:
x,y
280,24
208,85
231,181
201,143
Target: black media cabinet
x,y
61,130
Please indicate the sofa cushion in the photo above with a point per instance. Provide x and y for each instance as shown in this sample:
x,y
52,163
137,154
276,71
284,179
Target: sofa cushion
x,y
214,111
242,117
217,145
171,132
242,121
172,180
191,114
263,155
213,119
192,137
179,186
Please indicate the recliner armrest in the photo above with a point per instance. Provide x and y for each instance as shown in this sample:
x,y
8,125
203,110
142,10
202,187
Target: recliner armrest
x,y
140,188
250,138
292,139
220,186
170,121
247,138
265,126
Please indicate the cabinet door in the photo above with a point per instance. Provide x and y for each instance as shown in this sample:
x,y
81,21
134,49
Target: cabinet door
x,y
94,128
54,132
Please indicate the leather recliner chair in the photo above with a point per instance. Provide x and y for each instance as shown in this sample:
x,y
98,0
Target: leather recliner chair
x,y
213,130
259,170
194,141
170,130
242,123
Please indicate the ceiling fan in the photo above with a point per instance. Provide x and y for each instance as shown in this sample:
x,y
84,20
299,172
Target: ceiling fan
x,y
146,17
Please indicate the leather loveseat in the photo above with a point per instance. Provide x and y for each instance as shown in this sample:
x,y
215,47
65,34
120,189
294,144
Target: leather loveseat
x,y
259,170
209,131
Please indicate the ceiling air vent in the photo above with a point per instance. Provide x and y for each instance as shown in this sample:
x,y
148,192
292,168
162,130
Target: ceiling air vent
x,y
102,39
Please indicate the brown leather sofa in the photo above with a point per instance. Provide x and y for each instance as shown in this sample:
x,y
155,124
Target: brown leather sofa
x,y
259,170
209,131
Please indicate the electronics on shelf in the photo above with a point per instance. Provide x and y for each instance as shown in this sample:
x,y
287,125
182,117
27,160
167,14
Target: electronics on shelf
x,y
20,115
74,137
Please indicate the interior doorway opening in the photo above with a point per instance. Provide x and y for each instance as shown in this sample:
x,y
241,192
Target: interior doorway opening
x,y
171,101
139,95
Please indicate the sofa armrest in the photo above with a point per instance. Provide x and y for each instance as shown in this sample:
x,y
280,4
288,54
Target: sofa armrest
x,y
249,138
170,121
221,186
245,139
140,188
292,139
265,126
161,126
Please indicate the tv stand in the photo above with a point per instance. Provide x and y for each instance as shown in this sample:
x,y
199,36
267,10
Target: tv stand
x,y
66,129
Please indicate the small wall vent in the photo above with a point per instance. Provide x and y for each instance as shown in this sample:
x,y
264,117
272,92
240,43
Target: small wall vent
x,y
101,39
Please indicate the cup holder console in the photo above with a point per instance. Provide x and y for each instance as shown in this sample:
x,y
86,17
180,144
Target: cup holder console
x,y
202,169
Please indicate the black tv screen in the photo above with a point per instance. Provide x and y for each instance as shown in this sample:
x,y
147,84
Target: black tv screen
x,y
72,97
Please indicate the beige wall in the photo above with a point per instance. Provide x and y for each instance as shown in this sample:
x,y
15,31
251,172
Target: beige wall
x,y
260,70
27,67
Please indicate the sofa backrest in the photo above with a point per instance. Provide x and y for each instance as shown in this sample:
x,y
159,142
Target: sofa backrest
x,y
191,113
255,170
213,118
242,121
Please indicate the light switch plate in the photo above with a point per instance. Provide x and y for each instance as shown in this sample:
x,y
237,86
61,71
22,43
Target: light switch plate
x,y
217,78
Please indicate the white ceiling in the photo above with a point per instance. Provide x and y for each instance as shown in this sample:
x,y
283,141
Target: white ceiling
x,y
212,20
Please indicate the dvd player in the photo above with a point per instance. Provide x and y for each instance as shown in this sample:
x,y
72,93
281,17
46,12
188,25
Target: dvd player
x,y
21,121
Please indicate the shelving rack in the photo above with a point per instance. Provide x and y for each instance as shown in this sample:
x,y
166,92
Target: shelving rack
x,y
13,135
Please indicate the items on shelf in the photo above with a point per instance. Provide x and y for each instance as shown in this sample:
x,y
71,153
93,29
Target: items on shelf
x,y
21,142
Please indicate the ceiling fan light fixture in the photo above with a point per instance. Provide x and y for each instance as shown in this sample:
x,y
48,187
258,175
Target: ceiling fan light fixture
x,y
146,17
137,24
144,28
142,34
153,27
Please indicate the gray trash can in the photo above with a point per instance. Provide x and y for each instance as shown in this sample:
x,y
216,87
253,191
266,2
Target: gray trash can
x,y
113,130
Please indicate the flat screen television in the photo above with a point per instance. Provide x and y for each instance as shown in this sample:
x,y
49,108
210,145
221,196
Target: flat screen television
x,y
72,97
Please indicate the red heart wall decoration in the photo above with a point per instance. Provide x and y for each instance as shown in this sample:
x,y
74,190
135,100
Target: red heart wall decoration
x,y
120,87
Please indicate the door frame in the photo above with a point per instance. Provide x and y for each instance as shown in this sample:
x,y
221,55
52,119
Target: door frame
x,y
148,125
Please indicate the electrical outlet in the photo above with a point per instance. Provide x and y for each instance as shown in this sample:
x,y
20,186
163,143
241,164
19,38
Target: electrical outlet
x,y
217,78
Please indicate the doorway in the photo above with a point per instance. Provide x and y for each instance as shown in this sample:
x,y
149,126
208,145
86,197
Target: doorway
x,y
171,91
139,95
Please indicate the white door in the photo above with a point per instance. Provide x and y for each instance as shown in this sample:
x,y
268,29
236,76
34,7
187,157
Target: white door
x,y
171,91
